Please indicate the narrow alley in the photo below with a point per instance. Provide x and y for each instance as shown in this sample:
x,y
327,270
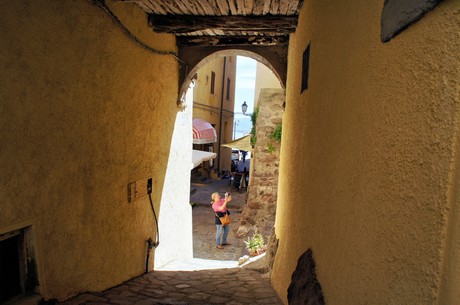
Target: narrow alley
x,y
213,277
361,197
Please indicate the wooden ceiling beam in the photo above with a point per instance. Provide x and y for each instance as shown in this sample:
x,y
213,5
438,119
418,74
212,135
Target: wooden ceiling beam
x,y
234,40
182,24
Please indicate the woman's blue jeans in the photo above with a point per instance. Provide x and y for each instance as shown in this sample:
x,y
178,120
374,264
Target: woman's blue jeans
x,y
221,234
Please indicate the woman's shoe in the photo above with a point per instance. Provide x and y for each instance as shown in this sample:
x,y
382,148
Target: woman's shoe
x,y
219,247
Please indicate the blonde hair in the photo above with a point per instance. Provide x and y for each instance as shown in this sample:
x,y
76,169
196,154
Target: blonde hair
x,y
213,195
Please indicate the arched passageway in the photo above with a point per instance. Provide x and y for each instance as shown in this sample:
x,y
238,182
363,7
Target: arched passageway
x,y
272,109
371,140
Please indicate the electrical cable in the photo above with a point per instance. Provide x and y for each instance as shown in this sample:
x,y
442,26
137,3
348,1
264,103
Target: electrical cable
x,y
102,5
196,104
212,111
157,238
150,243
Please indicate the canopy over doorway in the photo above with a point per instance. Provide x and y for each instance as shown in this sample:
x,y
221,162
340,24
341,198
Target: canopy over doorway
x,y
199,156
243,143
203,132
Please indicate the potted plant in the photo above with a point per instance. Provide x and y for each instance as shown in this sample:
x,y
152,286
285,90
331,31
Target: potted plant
x,y
255,244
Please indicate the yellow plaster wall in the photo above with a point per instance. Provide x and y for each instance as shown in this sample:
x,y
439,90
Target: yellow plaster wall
x,y
84,111
367,163
265,78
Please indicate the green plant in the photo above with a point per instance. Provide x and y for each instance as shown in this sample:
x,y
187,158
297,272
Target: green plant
x,y
271,148
255,244
276,135
254,116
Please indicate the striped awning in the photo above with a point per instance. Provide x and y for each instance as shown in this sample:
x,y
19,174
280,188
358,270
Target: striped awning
x,y
203,132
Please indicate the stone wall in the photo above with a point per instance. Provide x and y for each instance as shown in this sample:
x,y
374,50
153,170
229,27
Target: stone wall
x,y
263,185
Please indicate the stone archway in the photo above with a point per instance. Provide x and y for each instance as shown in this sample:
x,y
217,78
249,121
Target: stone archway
x,y
192,58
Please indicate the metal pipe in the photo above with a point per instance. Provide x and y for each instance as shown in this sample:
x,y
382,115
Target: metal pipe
x,y
220,119
149,249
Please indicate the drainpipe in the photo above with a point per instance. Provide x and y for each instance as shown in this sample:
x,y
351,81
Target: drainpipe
x,y
220,118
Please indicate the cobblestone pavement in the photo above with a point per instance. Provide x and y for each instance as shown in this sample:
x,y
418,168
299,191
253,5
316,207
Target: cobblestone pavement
x,y
238,285
203,222
222,286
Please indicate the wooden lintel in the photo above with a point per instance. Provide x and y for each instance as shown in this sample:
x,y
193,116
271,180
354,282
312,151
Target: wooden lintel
x,y
181,24
232,40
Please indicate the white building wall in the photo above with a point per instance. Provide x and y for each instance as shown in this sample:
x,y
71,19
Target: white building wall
x,y
175,221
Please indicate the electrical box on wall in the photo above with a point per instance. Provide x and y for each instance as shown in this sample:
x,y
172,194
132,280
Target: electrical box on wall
x,y
139,189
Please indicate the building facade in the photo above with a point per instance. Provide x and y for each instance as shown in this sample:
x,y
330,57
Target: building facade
x,y
213,101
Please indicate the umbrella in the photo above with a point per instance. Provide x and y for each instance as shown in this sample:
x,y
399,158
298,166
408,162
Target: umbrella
x,y
203,132
243,143
199,156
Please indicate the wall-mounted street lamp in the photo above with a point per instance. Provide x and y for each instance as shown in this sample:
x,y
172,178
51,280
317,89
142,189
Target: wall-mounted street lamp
x,y
244,108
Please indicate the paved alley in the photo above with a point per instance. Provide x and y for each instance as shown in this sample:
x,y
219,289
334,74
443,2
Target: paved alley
x,y
220,286
225,282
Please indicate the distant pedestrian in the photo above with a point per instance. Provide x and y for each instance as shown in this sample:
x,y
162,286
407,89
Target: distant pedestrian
x,y
244,154
245,179
234,166
220,209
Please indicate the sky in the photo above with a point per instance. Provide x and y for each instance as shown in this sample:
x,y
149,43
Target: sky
x,y
244,91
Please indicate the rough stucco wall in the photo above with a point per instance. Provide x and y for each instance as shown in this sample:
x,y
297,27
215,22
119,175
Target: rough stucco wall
x,y
84,111
450,294
366,157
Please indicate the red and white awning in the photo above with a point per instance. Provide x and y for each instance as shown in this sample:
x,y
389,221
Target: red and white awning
x,y
203,132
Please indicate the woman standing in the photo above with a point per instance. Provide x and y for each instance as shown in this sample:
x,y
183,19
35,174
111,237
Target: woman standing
x,y
220,209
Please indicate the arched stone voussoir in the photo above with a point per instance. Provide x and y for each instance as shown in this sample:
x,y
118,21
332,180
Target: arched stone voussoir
x,y
194,57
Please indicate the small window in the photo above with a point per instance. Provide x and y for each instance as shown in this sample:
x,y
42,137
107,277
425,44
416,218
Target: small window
x,y
305,68
213,80
228,88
